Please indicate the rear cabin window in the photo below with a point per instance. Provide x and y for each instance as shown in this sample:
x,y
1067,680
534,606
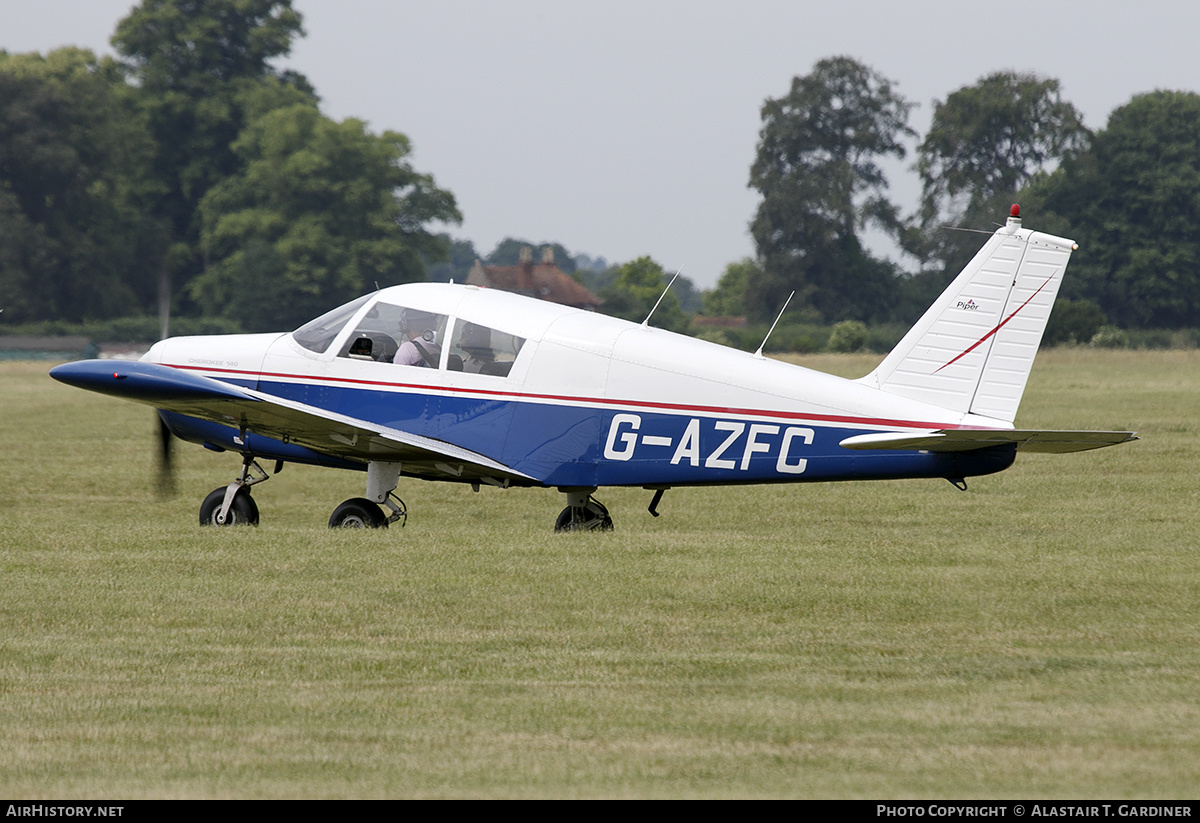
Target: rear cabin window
x,y
478,349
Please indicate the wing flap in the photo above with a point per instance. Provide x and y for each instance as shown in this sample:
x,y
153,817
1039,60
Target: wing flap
x,y
960,440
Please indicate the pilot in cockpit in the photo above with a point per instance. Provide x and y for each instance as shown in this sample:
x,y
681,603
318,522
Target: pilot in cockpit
x,y
421,347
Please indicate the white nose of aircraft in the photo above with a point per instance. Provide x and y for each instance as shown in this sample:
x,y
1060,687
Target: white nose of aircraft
x,y
236,357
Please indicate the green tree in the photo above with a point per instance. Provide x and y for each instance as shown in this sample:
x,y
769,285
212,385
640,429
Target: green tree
x,y
848,336
818,173
1073,321
321,212
987,142
201,67
462,257
993,138
73,224
191,45
691,299
728,298
1132,201
634,291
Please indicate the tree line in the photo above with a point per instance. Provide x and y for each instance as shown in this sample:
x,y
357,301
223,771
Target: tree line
x,y
1129,194
188,175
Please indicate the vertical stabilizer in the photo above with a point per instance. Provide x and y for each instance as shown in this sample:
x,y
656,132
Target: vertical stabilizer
x,y
973,349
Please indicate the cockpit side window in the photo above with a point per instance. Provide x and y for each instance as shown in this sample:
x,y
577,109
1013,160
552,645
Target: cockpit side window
x,y
479,349
316,335
397,334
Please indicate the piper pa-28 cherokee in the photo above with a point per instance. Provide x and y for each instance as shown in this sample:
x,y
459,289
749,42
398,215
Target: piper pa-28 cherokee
x,y
452,382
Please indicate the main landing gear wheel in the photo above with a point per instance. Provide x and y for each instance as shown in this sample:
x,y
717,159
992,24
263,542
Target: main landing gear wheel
x,y
590,515
358,513
242,512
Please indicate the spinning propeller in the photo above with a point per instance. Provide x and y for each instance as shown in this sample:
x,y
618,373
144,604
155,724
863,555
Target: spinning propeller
x,y
166,472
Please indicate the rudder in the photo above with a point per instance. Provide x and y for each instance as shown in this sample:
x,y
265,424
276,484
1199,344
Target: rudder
x,y
973,349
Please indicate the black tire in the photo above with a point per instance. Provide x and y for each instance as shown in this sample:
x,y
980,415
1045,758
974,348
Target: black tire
x,y
243,512
357,513
592,517
563,523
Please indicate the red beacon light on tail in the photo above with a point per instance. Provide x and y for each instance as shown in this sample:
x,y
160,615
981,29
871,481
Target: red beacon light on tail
x,y
1014,219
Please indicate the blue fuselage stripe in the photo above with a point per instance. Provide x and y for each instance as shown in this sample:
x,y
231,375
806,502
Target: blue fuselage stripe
x,y
578,445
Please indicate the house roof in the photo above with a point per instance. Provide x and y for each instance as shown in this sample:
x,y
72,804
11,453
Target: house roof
x,y
544,280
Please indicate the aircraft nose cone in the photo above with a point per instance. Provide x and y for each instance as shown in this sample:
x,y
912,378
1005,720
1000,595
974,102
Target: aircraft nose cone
x,y
87,374
144,382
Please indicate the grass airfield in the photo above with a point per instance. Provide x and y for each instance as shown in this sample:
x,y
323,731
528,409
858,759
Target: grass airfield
x,y
1036,636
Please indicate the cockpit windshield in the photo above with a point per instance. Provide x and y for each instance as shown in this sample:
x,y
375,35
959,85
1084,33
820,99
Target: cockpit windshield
x,y
390,333
407,335
316,335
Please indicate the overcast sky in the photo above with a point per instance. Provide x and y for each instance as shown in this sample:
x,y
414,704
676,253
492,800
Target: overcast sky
x,y
624,128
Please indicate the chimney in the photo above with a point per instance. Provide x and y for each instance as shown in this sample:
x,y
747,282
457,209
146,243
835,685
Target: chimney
x,y
525,271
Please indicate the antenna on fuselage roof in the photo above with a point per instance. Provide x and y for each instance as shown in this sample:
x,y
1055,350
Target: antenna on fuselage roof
x,y
646,322
969,231
759,353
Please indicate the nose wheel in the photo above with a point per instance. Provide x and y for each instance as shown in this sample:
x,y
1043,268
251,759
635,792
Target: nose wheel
x,y
243,511
232,505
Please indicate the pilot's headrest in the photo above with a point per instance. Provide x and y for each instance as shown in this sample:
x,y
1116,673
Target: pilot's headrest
x,y
476,337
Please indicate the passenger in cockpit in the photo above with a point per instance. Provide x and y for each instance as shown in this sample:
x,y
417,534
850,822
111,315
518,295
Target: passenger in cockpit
x,y
476,342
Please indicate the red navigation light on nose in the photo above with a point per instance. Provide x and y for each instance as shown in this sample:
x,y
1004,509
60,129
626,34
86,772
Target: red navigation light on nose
x,y
1015,211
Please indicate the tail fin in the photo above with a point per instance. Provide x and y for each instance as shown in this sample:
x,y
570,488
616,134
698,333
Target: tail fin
x,y
973,348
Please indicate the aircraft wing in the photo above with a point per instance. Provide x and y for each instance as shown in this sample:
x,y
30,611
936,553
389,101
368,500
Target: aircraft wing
x,y
958,440
323,431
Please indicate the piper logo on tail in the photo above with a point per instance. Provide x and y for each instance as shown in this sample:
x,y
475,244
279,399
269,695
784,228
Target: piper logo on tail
x,y
969,305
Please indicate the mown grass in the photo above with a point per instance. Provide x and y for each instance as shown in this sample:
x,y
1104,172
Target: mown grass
x,y
1035,636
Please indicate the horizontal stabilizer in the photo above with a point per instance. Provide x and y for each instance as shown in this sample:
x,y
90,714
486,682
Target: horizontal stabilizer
x,y
960,440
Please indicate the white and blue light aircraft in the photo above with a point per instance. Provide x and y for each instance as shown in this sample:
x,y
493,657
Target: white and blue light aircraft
x,y
457,383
